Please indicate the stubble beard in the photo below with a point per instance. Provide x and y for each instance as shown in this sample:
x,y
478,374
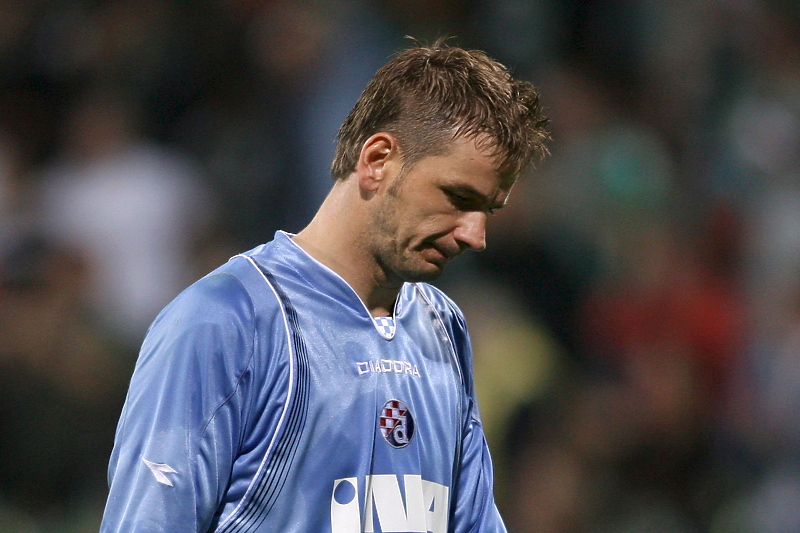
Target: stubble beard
x,y
398,263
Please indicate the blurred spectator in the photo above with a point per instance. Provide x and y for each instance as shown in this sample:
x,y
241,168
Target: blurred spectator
x,y
761,159
62,384
665,299
133,209
13,211
265,123
537,27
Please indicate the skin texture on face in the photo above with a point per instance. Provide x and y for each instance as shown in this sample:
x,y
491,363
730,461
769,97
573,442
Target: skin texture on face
x,y
426,215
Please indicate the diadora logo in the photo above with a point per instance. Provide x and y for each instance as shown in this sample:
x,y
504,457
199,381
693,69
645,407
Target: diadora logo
x,y
386,366
160,471
425,509
396,423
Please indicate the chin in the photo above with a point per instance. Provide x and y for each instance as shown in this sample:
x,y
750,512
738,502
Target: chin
x,y
425,277
413,268
431,273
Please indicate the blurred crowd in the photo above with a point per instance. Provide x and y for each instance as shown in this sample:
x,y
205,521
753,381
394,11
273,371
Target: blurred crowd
x,y
635,319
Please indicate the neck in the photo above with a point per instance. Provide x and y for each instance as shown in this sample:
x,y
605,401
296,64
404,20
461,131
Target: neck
x,y
332,239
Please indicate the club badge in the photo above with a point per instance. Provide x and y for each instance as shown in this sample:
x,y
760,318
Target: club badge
x,y
396,424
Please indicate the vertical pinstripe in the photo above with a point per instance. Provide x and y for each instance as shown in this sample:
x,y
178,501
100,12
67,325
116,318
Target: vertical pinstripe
x,y
273,475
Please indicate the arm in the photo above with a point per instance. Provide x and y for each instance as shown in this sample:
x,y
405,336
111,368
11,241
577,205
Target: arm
x,y
473,506
179,431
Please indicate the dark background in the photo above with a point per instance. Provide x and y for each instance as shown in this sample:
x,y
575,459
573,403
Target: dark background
x,y
636,317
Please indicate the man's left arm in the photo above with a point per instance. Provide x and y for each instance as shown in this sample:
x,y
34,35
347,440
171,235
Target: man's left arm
x,y
473,504
474,508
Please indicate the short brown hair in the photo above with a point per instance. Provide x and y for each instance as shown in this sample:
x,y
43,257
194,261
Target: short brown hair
x,y
428,95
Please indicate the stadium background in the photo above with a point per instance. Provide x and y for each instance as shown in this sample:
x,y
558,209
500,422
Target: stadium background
x,y
636,318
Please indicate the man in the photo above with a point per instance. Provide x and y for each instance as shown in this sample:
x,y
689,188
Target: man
x,y
315,384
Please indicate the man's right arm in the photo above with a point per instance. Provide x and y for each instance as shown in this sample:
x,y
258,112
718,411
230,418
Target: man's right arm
x,y
179,431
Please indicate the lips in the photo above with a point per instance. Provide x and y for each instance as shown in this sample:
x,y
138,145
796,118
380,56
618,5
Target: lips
x,y
445,254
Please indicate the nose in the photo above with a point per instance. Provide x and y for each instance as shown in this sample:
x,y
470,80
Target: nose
x,y
470,233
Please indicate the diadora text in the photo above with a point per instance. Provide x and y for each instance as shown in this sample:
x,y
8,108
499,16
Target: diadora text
x,y
387,366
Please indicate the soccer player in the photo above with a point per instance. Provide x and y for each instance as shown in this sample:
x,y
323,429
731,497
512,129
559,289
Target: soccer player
x,y
316,383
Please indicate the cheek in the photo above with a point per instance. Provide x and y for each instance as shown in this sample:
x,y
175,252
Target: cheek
x,y
439,220
413,223
428,230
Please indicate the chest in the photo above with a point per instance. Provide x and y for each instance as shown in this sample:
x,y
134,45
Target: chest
x,y
400,393
351,364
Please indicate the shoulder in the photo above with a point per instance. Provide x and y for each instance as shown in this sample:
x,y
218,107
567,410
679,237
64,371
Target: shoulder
x,y
227,305
210,336
442,304
234,288
452,320
436,297
446,311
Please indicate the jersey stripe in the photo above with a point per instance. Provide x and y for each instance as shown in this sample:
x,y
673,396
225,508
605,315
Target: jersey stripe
x,y
272,476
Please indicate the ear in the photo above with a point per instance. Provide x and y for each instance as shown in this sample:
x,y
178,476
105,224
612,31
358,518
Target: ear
x,y
378,160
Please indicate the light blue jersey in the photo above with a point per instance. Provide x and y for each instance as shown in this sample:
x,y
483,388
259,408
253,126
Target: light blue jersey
x,y
267,399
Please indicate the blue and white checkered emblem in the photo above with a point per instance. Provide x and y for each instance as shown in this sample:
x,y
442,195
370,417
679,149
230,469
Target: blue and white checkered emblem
x,y
386,326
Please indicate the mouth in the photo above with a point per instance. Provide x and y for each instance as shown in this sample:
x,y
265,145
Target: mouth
x,y
440,255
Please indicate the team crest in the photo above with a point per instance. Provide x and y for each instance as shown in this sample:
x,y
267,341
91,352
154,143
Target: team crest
x,y
396,424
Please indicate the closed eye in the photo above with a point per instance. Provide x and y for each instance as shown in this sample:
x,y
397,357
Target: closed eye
x,y
468,201
456,198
